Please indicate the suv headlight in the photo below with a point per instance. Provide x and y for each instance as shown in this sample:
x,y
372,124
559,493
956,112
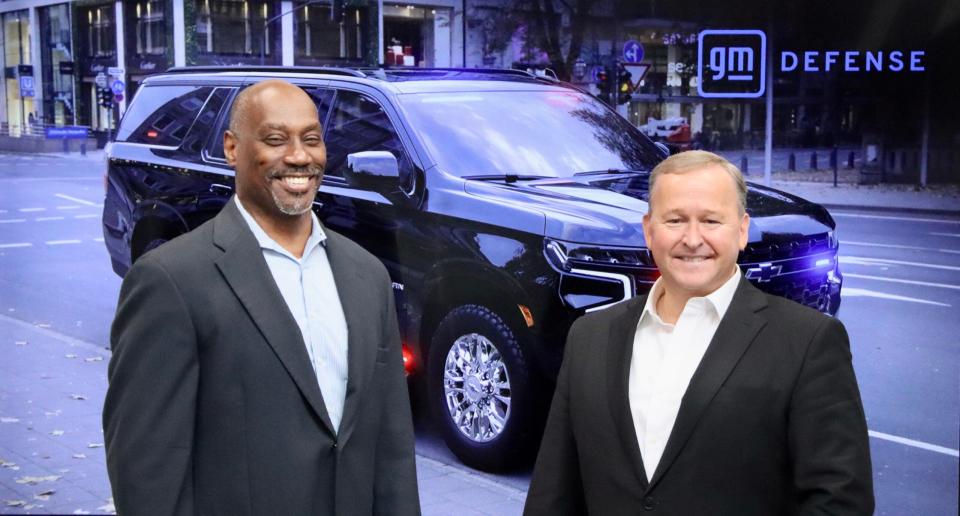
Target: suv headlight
x,y
594,277
568,255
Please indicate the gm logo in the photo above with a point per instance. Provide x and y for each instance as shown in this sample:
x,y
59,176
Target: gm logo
x,y
764,272
732,63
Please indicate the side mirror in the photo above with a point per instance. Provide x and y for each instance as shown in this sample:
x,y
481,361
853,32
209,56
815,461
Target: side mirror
x,y
373,170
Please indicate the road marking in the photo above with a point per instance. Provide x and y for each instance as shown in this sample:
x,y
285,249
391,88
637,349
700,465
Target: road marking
x,y
62,242
956,235
28,210
916,444
10,246
80,201
71,207
908,282
862,292
898,246
28,179
11,221
43,219
87,216
98,239
862,260
890,217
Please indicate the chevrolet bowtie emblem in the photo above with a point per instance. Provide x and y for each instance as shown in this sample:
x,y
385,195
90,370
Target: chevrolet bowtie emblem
x,y
764,272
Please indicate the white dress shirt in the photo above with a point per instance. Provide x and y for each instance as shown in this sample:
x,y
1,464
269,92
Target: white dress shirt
x,y
308,287
664,359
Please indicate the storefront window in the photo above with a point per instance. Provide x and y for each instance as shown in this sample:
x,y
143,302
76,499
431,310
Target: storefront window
x,y
100,33
151,34
416,36
236,28
321,38
58,65
16,44
96,51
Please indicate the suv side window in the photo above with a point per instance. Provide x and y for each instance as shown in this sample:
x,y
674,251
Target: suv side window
x,y
206,121
162,114
358,123
321,97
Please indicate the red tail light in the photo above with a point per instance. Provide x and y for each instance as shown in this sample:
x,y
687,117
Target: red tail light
x,y
407,360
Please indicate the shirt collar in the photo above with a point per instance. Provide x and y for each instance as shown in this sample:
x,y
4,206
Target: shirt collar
x,y
317,236
720,299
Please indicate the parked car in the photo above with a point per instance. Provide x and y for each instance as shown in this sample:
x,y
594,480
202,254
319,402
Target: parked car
x,y
504,205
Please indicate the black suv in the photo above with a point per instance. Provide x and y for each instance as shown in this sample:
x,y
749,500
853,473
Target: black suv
x,y
505,205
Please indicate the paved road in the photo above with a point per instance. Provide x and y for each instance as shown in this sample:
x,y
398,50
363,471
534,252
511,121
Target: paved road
x,y
58,294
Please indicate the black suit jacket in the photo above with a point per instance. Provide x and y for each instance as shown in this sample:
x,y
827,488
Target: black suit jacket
x,y
213,406
771,423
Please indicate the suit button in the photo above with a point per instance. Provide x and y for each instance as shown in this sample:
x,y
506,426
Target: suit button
x,y
649,503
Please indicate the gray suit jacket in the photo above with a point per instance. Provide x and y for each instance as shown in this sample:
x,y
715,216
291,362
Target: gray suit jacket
x,y
771,423
213,407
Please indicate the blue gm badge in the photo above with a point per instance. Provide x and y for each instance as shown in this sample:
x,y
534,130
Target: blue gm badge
x,y
732,63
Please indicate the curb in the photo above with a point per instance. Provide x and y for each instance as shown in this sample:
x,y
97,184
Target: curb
x,y
893,209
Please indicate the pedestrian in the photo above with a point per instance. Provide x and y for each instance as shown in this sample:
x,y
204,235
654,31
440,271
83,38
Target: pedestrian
x,y
256,364
706,396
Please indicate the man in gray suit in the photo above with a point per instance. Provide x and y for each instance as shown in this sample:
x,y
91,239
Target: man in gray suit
x,y
256,360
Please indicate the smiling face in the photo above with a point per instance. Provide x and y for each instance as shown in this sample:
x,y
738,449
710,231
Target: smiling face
x,y
277,150
695,230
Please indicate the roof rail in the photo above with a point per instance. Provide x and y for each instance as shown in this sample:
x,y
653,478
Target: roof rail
x,y
352,72
487,71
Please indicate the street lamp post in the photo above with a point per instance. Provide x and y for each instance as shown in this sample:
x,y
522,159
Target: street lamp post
x,y
263,41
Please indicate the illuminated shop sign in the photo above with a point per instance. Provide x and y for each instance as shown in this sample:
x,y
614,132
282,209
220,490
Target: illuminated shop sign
x,y
732,63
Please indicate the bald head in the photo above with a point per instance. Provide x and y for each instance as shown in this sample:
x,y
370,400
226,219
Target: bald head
x,y
258,96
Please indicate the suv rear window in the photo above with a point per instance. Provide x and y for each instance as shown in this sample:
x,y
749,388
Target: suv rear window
x,y
162,115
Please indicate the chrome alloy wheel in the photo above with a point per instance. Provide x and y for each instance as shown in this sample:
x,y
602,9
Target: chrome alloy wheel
x,y
477,388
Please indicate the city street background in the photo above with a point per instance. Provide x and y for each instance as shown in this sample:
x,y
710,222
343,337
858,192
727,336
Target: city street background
x,y
58,293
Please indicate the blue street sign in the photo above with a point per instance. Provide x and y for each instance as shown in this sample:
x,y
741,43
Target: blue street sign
x,y
632,51
26,86
595,72
65,132
117,87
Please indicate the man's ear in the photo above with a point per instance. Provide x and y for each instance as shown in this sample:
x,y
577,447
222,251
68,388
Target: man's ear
x,y
230,147
744,231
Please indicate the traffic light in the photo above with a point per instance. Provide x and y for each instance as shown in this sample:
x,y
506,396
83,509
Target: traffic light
x,y
603,84
105,98
624,86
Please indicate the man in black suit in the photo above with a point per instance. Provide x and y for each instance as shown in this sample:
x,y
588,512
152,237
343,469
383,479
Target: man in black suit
x,y
707,396
256,361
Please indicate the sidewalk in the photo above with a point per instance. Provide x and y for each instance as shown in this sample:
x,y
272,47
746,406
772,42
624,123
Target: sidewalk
x,y
51,443
936,199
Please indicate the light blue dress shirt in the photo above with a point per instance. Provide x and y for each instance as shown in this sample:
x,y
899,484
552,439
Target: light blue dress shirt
x,y
308,287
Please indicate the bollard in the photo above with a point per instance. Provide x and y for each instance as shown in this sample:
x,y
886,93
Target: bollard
x,y
792,162
66,146
813,160
744,165
83,149
850,159
833,165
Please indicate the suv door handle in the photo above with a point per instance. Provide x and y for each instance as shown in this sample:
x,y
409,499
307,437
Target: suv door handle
x,y
220,189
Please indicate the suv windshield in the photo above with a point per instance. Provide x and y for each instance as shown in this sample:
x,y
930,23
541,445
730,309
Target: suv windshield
x,y
526,133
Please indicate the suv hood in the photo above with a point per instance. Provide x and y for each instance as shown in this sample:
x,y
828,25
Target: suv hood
x,y
609,209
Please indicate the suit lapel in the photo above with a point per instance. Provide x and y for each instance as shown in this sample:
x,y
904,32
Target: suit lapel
x,y
359,305
619,355
245,270
736,332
